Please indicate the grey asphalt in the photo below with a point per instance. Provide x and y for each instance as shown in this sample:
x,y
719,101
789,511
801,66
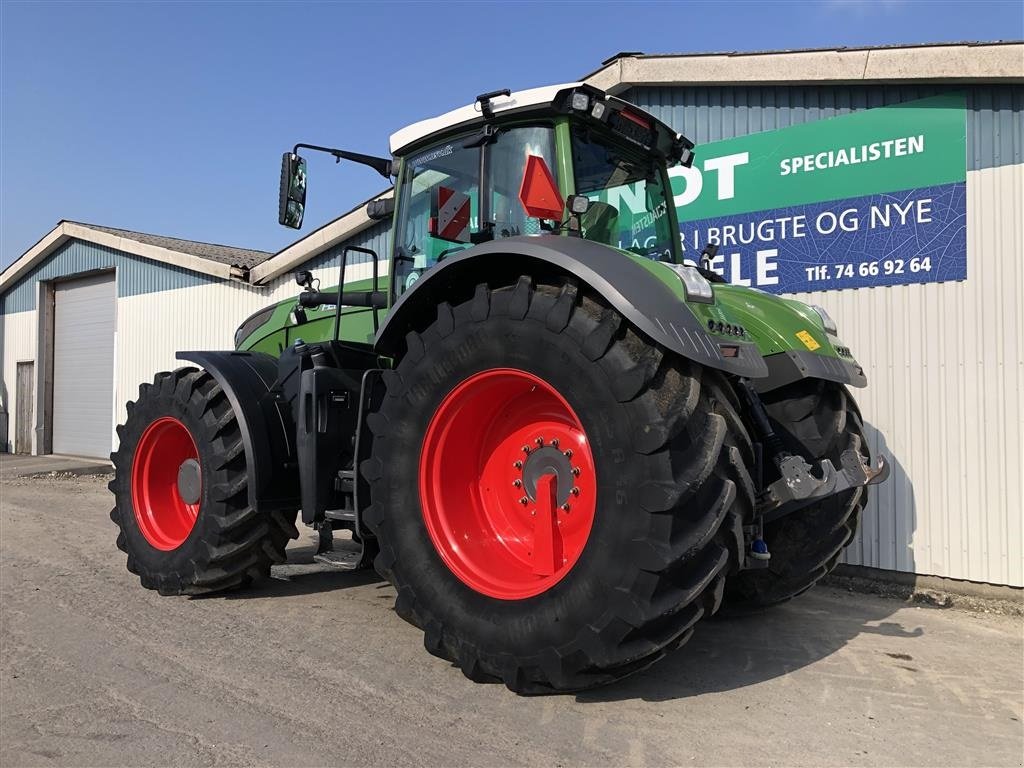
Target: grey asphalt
x,y
314,668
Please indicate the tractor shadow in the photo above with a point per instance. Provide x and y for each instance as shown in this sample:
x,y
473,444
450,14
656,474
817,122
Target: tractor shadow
x,y
728,653
301,575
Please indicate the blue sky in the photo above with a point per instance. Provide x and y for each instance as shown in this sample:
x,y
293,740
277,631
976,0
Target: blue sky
x,y
171,118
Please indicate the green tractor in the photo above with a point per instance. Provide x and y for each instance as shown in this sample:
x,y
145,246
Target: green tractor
x,y
560,443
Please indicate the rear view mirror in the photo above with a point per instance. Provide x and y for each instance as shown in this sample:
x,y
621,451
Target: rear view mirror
x,y
292,193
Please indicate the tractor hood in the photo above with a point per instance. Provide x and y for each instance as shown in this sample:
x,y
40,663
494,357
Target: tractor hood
x,y
789,334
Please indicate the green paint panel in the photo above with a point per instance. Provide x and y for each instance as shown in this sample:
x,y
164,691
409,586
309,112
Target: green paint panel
x,y
278,332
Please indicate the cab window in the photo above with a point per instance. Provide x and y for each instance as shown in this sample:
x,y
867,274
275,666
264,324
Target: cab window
x,y
629,194
451,172
506,164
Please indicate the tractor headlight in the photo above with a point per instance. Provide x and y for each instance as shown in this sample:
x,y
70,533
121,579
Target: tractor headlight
x,y
697,286
580,101
826,320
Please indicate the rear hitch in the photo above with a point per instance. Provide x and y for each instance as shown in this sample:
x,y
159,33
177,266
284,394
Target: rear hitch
x,y
799,484
798,488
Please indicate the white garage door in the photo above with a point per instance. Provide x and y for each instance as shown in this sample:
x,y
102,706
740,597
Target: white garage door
x,y
83,365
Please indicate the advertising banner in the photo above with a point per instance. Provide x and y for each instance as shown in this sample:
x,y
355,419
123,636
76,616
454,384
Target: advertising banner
x,y
873,198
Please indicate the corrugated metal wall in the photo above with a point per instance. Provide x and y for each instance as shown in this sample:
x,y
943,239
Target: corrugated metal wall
x,y
994,127
135,275
945,360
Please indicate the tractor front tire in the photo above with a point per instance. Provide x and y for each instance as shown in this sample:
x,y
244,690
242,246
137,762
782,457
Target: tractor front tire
x,y
181,492
820,420
557,500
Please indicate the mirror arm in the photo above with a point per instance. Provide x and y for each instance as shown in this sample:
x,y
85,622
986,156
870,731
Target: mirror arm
x,y
381,165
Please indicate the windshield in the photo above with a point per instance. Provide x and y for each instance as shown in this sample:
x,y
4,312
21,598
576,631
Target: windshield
x,y
440,203
629,207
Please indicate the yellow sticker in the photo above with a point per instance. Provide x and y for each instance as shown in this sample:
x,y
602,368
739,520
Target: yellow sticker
x,y
808,340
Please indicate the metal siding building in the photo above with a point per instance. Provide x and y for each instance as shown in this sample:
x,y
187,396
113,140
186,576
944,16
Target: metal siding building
x,y
170,295
944,360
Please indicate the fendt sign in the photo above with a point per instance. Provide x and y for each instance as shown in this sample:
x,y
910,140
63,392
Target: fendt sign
x,y
873,198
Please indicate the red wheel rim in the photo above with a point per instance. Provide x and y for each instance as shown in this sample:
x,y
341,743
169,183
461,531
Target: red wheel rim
x,y
507,484
164,451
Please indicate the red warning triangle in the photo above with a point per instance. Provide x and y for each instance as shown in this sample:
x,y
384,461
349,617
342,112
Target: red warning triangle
x,y
539,192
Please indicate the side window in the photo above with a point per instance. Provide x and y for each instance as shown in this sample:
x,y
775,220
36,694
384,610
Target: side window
x,y
507,164
629,200
442,179
451,167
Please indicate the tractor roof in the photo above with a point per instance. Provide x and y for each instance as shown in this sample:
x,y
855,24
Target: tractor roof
x,y
534,97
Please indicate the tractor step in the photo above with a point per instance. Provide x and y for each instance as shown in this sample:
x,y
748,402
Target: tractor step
x,y
346,555
345,485
340,514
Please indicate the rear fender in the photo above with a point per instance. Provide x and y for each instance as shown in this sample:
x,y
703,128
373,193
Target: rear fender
x,y
627,285
266,424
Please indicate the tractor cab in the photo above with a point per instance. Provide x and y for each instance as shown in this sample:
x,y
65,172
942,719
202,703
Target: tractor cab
x,y
566,160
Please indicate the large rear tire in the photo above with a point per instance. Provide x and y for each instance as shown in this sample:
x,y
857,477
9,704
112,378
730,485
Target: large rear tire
x,y
820,420
659,461
181,491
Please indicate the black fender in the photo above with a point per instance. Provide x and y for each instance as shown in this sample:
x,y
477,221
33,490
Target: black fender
x,y
268,430
627,286
786,367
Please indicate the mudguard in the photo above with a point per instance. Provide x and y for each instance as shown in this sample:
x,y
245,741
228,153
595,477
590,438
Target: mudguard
x,y
268,431
633,290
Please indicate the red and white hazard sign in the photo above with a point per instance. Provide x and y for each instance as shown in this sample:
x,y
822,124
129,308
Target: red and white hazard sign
x,y
449,218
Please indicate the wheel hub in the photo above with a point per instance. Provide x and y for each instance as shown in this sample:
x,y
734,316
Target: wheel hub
x,y
507,484
549,460
190,485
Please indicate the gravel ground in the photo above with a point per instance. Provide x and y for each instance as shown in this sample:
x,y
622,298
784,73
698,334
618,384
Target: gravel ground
x,y
314,668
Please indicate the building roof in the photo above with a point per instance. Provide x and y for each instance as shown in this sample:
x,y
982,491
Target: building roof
x,y
246,258
217,260
962,62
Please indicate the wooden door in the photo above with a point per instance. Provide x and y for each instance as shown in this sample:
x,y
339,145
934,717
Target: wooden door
x,y
23,421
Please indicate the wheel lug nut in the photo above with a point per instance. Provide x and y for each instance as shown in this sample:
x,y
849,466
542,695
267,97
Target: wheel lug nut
x,y
568,454
539,441
524,501
526,449
517,483
518,465
575,491
575,471
554,443
566,507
